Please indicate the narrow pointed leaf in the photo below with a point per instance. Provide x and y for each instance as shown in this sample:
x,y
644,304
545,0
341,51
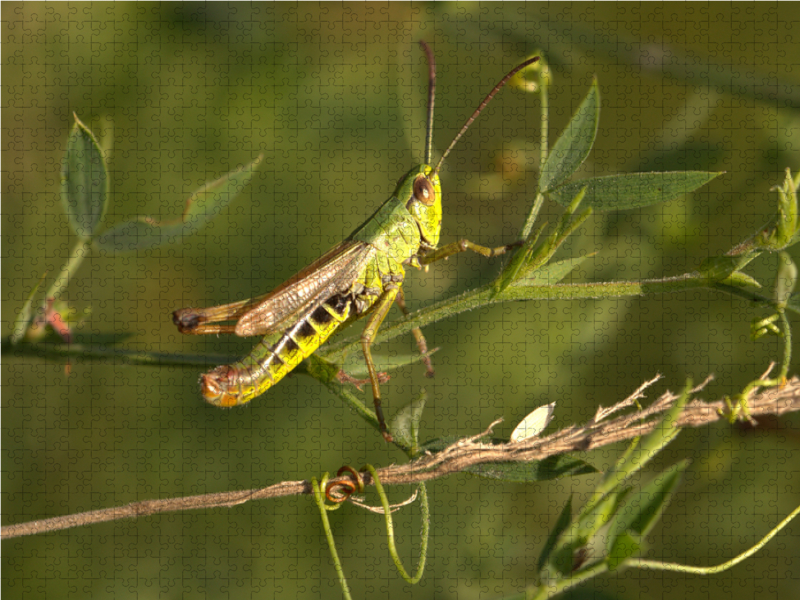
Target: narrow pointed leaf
x,y
620,192
563,521
141,234
623,547
84,181
207,202
574,144
553,467
203,205
552,273
646,505
640,513
355,366
786,279
404,425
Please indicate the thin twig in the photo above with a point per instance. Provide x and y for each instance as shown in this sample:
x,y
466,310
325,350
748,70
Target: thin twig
x,y
460,456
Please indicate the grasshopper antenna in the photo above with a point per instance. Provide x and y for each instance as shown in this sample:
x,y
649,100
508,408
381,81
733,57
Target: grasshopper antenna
x,y
480,108
431,98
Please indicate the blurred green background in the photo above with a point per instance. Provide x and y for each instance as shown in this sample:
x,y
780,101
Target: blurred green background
x,y
334,95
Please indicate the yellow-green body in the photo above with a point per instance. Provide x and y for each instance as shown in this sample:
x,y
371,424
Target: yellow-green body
x,y
377,253
360,277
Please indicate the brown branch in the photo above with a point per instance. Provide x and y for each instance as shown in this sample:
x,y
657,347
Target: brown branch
x,y
458,457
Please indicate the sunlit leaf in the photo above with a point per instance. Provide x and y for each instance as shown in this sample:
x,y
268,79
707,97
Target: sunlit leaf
x,y
620,192
203,205
574,144
84,181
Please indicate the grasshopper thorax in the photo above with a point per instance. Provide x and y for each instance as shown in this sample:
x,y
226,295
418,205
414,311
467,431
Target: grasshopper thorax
x,y
421,192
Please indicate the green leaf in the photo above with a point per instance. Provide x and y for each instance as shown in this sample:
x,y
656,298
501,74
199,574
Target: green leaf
x,y
207,202
203,205
645,506
786,279
561,525
520,263
553,467
600,514
355,366
563,558
666,431
574,144
742,280
641,512
404,425
634,190
552,273
138,235
787,211
622,548
84,181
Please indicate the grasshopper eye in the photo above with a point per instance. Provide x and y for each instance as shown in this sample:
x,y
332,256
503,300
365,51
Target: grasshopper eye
x,y
423,190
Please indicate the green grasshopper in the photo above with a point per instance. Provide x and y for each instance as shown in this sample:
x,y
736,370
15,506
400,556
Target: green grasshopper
x,y
361,276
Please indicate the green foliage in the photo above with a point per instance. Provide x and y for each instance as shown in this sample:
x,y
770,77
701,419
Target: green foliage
x,y
554,467
405,424
84,181
85,198
614,523
633,190
574,144
203,205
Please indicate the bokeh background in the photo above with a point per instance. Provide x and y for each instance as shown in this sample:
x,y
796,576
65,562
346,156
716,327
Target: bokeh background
x,y
333,95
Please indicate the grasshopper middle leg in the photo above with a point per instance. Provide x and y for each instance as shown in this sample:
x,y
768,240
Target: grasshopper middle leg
x,y
417,333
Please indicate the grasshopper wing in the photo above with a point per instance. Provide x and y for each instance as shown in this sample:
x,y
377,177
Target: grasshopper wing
x,y
331,274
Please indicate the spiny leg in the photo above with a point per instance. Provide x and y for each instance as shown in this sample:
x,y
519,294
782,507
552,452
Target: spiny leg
x,y
367,337
462,246
417,332
343,377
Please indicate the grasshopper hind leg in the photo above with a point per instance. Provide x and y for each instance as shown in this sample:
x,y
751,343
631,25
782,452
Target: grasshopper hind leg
x,y
382,307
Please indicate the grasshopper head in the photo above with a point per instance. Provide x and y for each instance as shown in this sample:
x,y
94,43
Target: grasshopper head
x,y
422,193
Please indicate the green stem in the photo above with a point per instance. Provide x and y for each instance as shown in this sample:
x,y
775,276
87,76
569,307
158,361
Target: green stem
x,y
132,357
561,585
543,150
787,339
544,79
656,564
485,296
741,409
80,252
537,206
354,403
477,298
25,314
387,512
318,489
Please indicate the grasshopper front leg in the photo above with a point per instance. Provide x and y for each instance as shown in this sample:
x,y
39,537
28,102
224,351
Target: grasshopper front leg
x,y
439,254
463,245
